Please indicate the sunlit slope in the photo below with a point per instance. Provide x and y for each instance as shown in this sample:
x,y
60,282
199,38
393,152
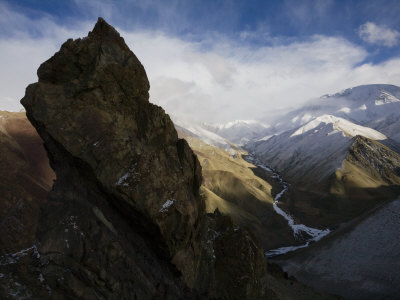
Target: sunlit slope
x,y
308,154
230,185
368,172
368,175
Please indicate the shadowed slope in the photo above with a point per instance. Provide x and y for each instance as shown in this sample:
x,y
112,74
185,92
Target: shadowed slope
x,y
25,179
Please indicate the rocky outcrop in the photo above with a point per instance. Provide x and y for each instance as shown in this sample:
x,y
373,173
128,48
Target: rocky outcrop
x,y
380,164
124,219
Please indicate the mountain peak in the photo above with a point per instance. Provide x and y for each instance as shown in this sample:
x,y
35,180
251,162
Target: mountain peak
x,y
103,29
338,124
365,92
102,54
128,184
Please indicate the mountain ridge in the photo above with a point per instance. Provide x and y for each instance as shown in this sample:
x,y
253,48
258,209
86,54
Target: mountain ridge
x,y
126,199
365,105
317,153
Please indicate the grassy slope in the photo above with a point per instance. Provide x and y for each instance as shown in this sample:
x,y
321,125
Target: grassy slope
x,y
369,175
230,185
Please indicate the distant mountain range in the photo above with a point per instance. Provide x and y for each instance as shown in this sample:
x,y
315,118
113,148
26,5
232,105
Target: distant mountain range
x,y
240,131
375,106
315,138
136,209
339,152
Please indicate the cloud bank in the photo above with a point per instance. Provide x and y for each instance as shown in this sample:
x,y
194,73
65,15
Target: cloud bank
x,y
213,79
380,35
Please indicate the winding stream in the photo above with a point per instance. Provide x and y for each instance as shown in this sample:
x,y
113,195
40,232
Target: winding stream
x,y
298,229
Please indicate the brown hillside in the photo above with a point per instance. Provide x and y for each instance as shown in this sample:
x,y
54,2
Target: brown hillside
x,y
25,180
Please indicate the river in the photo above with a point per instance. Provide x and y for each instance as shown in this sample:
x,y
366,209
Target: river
x,y
298,229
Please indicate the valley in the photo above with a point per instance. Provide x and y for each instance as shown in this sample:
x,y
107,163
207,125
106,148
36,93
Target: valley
x,y
230,185
128,195
358,261
105,196
342,178
301,232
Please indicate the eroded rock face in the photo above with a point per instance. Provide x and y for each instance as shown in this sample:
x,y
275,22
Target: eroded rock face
x,y
91,108
124,219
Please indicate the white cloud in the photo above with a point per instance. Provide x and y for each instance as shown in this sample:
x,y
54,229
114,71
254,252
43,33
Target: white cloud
x,y
22,54
231,81
375,34
217,79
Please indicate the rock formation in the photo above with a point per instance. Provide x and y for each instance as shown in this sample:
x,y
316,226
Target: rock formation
x,y
124,219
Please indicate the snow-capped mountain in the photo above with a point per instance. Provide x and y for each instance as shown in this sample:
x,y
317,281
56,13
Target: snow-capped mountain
x,y
208,137
311,142
347,128
376,106
240,131
314,150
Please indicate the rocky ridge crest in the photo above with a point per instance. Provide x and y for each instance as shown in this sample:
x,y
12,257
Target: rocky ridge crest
x,y
124,218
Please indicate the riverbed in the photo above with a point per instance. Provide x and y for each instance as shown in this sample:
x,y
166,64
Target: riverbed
x,y
299,230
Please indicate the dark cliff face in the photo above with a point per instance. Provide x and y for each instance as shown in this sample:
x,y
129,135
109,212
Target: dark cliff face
x,y
124,219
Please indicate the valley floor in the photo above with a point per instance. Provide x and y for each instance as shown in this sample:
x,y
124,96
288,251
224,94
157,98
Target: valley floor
x,y
358,263
301,232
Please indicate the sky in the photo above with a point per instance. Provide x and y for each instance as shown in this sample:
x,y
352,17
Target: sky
x,y
216,61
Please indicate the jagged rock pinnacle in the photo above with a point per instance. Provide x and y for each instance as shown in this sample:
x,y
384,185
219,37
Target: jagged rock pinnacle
x,y
127,181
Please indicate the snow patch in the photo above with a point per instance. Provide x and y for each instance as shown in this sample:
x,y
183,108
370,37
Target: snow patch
x,y
340,124
385,98
265,138
122,180
166,205
12,258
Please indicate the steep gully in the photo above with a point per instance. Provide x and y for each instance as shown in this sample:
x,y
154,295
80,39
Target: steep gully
x,y
299,230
